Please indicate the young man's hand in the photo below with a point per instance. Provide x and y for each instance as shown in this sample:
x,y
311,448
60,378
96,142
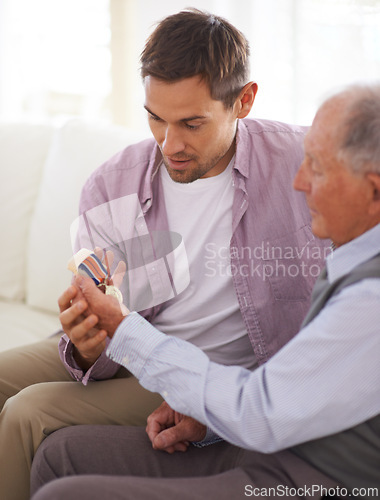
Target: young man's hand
x,y
79,326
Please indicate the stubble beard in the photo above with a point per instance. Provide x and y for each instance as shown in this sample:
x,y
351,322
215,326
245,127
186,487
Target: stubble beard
x,y
192,174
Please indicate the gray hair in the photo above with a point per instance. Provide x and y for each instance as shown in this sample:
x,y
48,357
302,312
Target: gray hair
x,y
360,146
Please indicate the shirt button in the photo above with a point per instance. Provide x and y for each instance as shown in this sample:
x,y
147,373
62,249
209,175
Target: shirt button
x,y
125,360
165,394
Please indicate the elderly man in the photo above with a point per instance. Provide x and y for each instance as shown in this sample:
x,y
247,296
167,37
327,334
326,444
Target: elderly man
x,y
305,423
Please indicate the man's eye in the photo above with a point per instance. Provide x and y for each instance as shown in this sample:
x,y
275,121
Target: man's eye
x,y
191,127
316,171
154,117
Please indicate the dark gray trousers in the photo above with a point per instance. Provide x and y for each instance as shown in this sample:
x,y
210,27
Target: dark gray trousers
x,y
116,462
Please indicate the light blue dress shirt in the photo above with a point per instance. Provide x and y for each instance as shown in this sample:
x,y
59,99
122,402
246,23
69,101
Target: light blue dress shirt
x,y
325,380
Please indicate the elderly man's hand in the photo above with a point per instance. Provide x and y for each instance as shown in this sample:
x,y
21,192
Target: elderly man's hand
x,y
83,307
109,312
171,431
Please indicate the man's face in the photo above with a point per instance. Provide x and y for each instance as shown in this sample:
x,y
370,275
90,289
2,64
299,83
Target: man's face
x,y
338,199
194,132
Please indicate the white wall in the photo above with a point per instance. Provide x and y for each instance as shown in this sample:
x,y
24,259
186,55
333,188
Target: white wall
x,y
301,50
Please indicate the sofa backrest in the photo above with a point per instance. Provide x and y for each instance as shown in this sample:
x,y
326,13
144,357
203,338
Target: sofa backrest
x,y
46,175
23,152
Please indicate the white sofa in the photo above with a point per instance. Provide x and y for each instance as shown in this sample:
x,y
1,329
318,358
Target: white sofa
x,y
43,168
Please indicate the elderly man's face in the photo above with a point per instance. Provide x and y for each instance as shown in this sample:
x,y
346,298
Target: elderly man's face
x,y
338,199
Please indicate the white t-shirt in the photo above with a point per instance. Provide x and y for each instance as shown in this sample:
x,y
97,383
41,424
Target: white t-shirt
x,y
206,313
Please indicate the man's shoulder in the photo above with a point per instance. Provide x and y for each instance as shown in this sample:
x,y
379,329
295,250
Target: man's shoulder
x,y
124,173
133,161
256,126
266,145
129,158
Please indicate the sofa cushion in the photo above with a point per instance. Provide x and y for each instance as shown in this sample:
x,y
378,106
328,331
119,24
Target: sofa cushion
x,y
77,149
23,151
21,324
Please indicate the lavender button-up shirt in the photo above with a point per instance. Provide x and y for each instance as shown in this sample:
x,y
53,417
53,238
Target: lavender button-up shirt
x,y
274,257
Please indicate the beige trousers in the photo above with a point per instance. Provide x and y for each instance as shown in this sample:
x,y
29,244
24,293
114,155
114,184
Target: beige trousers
x,y
38,396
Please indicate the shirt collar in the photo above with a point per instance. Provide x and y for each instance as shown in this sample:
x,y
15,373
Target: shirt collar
x,y
345,258
240,162
242,148
154,163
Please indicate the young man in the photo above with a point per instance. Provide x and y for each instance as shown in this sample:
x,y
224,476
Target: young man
x,y
221,184
317,399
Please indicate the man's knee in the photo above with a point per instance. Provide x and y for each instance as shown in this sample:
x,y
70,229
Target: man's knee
x,y
27,412
96,487
62,489
43,471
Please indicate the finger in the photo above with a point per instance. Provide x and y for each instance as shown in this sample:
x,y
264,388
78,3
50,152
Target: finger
x,y
97,300
161,418
90,350
87,287
162,444
89,341
78,297
98,252
178,417
68,317
105,257
168,438
154,425
153,428
64,301
79,294
109,258
181,446
164,415
84,335
118,275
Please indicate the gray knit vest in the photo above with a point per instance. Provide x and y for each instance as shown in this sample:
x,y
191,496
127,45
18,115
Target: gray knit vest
x,y
351,457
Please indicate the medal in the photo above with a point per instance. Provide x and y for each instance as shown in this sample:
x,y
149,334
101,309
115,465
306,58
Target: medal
x,y
93,267
114,292
86,263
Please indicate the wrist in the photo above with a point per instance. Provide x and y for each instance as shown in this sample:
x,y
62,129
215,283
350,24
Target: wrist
x,y
112,317
112,325
84,362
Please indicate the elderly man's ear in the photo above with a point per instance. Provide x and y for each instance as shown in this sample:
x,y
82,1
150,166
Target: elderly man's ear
x,y
374,179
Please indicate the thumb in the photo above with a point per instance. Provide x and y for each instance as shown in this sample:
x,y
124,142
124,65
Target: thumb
x,y
86,285
168,437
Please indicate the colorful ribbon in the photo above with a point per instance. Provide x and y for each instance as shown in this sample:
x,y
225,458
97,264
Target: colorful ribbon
x,y
93,267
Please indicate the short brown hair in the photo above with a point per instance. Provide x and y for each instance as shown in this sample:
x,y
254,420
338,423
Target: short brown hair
x,y
193,43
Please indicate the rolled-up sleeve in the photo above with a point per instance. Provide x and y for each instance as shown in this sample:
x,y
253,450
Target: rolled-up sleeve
x,y
103,368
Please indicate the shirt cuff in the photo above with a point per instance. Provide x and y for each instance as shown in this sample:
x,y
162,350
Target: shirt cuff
x,y
102,369
66,353
210,438
133,342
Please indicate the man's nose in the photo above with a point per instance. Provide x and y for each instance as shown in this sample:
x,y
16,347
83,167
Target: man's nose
x,y
172,142
301,181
